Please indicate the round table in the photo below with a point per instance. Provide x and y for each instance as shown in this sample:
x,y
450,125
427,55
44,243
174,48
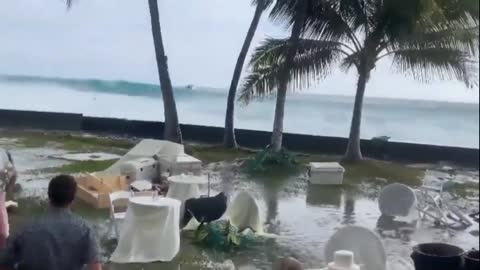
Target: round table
x,y
184,187
150,231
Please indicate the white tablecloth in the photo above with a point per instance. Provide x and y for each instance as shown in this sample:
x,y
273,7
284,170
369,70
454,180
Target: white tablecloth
x,y
150,231
4,225
184,187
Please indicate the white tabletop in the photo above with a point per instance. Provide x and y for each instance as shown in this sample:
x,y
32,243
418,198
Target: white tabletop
x,y
142,185
154,201
188,179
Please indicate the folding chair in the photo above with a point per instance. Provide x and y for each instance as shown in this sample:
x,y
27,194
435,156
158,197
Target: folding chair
x,y
432,204
118,216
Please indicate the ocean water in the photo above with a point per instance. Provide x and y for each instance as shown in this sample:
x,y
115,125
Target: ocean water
x,y
430,122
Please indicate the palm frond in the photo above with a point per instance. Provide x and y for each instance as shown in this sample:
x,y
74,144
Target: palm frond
x,y
460,11
356,12
462,39
352,60
312,62
430,64
395,18
284,11
266,3
335,21
260,83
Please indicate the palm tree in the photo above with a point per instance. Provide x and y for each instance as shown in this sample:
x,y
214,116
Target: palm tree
x,y
229,132
424,41
172,130
281,11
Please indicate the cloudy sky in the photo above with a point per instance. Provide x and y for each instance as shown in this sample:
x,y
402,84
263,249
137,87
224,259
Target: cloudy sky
x,y
111,39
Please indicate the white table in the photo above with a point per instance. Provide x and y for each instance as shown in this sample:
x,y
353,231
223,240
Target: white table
x,y
150,231
183,187
142,185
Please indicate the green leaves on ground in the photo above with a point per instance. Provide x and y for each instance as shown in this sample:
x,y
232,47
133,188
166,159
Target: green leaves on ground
x,y
223,236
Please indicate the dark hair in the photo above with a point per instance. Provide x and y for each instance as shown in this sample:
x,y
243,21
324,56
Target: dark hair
x,y
61,190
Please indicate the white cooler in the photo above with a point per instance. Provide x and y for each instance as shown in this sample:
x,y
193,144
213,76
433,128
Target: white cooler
x,y
180,164
140,169
325,173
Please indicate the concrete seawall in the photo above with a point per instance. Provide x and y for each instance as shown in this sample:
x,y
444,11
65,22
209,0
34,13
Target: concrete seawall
x,y
249,138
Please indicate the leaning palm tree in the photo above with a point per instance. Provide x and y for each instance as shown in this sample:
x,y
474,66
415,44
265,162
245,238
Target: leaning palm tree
x,y
281,12
229,132
172,130
424,41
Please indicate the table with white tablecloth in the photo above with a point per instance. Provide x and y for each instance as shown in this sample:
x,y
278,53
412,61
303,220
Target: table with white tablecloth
x,y
150,231
184,187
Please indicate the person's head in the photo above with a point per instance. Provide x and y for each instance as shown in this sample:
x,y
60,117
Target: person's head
x,y
61,191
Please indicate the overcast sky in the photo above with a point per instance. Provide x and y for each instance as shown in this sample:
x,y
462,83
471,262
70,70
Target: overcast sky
x,y
111,39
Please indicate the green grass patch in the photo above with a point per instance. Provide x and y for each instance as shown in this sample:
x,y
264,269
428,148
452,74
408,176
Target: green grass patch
x,y
87,166
391,172
67,141
217,153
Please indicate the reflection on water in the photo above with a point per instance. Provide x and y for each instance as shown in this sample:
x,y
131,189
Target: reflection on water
x,y
387,226
324,196
303,218
349,209
271,222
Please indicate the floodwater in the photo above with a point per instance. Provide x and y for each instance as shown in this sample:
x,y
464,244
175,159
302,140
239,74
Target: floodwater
x,y
301,217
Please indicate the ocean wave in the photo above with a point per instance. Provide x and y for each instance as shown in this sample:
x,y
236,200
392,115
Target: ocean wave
x,y
429,122
119,87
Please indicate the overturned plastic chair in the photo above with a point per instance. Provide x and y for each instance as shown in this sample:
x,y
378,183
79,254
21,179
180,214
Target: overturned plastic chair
x,y
366,245
397,200
244,213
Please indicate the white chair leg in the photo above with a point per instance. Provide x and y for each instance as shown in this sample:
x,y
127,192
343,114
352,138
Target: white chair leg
x,y
115,223
109,229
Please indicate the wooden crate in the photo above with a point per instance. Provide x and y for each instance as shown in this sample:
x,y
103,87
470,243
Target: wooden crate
x,y
94,190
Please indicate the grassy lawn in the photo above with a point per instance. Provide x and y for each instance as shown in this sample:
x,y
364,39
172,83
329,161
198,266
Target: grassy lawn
x,y
355,173
70,142
217,153
88,166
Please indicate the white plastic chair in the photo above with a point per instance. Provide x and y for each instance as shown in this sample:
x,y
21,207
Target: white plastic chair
x,y
116,216
433,204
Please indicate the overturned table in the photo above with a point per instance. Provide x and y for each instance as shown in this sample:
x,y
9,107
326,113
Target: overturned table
x,y
150,231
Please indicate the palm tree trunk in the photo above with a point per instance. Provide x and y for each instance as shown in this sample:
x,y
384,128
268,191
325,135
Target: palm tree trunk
x,y
229,133
277,134
172,130
354,153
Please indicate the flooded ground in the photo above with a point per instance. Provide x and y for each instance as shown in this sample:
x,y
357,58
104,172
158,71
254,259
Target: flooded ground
x,y
302,217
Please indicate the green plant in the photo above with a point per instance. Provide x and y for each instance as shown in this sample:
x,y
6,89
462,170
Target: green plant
x,y
268,158
223,236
